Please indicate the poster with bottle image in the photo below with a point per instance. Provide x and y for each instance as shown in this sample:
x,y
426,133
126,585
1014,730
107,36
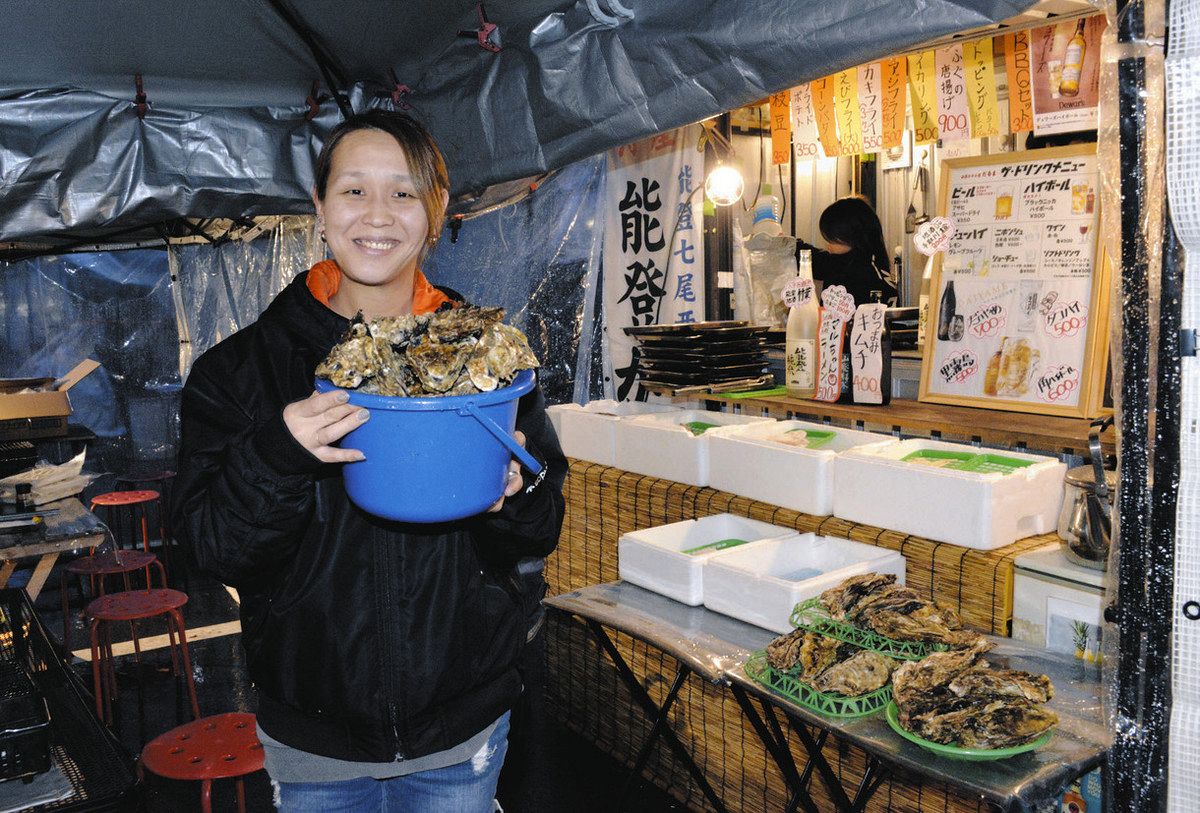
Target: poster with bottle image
x,y
1019,313
1064,62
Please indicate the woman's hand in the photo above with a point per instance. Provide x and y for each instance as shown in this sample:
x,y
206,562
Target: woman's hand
x,y
322,419
515,481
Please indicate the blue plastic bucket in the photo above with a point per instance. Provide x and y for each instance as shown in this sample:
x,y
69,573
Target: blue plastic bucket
x,y
434,459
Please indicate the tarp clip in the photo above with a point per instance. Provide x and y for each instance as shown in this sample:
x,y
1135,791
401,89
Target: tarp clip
x,y
619,13
455,224
487,35
313,101
399,91
139,98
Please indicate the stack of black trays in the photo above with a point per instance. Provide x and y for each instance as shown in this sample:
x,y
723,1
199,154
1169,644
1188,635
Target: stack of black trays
x,y
24,718
700,353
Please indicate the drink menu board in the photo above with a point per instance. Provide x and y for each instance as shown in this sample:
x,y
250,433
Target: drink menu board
x,y
1019,307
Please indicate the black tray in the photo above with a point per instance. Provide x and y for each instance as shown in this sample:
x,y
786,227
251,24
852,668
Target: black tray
x,y
684,328
710,376
24,717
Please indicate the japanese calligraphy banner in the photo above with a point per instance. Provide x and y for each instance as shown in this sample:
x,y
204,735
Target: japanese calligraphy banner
x,y
1020,91
806,143
870,106
845,106
781,127
893,97
1065,70
653,245
982,103
822,100
952,117
922,84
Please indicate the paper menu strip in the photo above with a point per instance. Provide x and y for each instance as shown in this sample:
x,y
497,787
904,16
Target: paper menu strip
x,y
952,115
922,85
870,106
845,105
805,140
822,100
1020,91
982,104
781,127
894,76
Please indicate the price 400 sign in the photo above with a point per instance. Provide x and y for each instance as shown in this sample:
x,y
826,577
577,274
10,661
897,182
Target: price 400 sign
x,y
1066,319
988,320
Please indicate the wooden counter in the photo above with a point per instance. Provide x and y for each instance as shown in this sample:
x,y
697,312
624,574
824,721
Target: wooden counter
x,y
991,427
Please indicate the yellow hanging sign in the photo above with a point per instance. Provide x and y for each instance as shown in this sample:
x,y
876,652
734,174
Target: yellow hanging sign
x,y
845,106
1020,91
781,127
982,102
894,75
822,101
922,85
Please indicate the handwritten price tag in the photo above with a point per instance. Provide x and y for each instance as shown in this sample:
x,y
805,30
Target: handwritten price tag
x,y
934,235
830,329
838,301
959,367
1058,384
1065,319
798,292
988,320
866,348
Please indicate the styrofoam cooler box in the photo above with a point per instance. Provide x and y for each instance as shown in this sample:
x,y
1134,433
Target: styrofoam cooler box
x,y
752,460
988,507
761,585
586,432
658,559
662,446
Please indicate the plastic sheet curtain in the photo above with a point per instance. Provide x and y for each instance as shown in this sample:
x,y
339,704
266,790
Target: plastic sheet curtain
x,y
540,259
116,308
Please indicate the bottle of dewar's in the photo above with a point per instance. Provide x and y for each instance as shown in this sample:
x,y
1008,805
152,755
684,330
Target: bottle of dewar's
x,y
800,363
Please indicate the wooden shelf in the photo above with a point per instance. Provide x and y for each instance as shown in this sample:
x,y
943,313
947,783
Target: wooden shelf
x,y
987,426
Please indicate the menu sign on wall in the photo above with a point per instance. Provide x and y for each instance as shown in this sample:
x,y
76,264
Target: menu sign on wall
x,y
1018,303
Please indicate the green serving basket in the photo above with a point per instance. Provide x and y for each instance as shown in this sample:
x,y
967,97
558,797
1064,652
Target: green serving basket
x,y
829,704
812,616
892,713
969,461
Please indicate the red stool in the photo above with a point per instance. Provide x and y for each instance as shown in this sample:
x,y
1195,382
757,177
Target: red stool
x,y
223,746
135,605
98,568
135,503
159,481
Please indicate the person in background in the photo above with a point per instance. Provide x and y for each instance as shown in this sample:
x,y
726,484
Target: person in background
x,y
855,254
386,656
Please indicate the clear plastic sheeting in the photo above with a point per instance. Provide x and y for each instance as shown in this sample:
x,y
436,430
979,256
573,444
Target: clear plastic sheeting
x,y
115,308
716,647
539,258
223,288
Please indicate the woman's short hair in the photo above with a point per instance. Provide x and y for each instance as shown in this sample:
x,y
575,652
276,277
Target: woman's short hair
x,y
425,160
852,222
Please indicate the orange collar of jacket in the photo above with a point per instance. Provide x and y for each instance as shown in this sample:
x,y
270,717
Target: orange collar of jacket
x,y
325,278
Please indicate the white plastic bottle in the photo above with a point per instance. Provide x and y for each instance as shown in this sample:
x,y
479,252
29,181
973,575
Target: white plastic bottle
x,y
800,363
766,213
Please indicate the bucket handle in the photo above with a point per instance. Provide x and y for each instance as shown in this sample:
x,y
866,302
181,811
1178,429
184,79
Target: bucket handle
x,y
527,460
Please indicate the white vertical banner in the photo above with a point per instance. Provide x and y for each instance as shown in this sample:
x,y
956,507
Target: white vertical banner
x,y
952,112
870,103
653,245
805,141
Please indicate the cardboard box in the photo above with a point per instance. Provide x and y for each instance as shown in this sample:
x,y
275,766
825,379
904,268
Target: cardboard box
x,y
43,412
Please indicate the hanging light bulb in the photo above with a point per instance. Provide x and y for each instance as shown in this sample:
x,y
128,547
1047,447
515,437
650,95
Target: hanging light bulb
x,y
724,185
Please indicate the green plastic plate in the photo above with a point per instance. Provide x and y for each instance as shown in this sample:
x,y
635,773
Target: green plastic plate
x,y
892,713
812,616
829,704
721,544
698,428
816,437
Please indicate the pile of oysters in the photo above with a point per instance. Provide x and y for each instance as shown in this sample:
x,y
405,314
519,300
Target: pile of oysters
x,y
829,665
460,351
955,698
874,601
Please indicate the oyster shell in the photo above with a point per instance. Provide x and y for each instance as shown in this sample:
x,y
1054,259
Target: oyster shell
x,y
863,672
985,723
841,600
354,359
438,366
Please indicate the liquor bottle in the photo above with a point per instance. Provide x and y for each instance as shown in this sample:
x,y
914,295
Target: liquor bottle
x,y
800,363
946,312
1073,62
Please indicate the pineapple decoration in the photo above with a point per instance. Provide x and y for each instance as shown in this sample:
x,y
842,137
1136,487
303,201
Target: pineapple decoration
x,y
1084,650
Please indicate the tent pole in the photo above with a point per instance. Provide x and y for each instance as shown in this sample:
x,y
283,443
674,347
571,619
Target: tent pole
x,y
334,78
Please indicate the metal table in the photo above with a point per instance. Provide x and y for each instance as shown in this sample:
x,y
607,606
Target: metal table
x,y
716,647
72,528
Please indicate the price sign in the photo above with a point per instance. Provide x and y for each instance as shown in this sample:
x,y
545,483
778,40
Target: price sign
x,y
959,367
798,291
988,321
866,353
838,301
1058,384
830,329
1065,319
934,235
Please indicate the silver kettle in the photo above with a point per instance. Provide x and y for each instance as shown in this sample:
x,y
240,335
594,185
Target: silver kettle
x,y
1085,519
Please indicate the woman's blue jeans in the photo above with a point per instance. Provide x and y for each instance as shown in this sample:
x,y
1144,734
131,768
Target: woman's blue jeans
x,y
468,787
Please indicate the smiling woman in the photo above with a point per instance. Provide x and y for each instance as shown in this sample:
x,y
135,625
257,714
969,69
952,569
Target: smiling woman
x,y
385,654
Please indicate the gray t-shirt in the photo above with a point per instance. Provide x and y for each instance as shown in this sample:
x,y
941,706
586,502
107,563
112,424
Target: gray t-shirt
x,y
287,764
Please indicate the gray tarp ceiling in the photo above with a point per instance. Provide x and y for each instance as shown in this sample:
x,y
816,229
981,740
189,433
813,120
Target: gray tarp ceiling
x,y
226,81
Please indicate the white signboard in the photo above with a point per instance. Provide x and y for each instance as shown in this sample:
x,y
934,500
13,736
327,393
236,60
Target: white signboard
x,y
654,191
